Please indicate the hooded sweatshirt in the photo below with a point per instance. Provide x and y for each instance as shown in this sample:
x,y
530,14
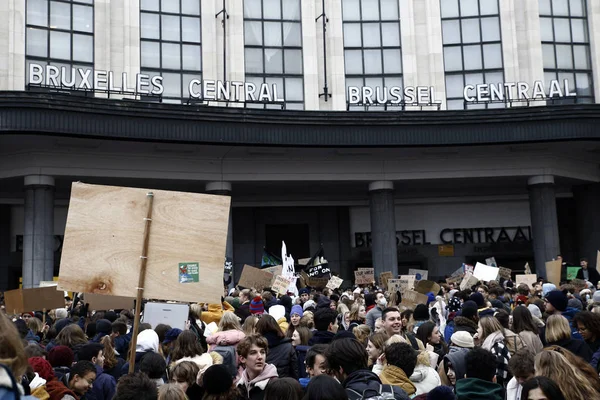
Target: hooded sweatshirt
x,y
478,389
147,342
363,379
392,375
425,379
225,338
254,389
215,312
456,358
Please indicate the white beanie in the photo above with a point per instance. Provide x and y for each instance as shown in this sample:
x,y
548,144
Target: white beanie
x,y
309,303
462,339
277,312
535,310
60,313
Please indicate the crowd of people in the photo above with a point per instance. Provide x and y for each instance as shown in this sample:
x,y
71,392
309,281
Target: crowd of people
x,y
493,341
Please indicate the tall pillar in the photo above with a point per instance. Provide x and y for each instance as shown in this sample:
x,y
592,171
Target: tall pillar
x,y
224,189
544,221
587,199
38,237
383,227
5,264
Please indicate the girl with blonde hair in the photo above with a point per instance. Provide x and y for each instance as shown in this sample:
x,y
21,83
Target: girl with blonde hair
x,y
375,346
580,365
358,315
558,332
362,333
171,391
229,334
73,337
556,367
249,327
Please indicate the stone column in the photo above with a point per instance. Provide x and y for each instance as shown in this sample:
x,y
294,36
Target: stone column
x,y
38,235
544,221
5,249
224,189
383,227
587,199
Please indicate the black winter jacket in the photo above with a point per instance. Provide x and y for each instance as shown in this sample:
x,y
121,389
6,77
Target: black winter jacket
x,y
363,379
283,356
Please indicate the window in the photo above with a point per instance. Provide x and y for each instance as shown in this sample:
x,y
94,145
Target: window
x,y
566,47
60,33
273,49
372,46
170,34
472,49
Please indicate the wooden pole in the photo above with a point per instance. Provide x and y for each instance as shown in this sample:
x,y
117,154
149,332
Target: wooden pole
x,y
44,317
141,281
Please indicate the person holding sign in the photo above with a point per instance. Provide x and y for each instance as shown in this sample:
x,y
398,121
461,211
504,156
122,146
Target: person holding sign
x,y
588,274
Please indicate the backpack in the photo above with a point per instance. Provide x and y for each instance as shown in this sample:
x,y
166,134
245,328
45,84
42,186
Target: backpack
x,y
12,392
514,344
385,392
229,358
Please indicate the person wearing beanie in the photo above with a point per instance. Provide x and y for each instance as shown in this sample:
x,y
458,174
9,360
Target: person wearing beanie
x,y
60,313
453,365
103,328
480,382
61,359
257,306
468,318
463,340
278,313
310,305
482,305
557,302
547,288
574,303
304,294
295,315
218,383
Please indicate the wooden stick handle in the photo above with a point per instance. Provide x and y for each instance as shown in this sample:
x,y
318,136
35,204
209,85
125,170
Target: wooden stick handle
x,y
44,316
141,281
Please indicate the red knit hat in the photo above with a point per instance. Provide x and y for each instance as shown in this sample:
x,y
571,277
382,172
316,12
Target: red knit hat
x,y
257,306
42,367
61,356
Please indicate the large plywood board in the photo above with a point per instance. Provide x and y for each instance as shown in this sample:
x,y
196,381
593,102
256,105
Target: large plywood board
x,y
104,238
36,299
100,302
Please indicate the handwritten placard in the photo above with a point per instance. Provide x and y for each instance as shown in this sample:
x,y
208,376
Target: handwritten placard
x,y
334,282
384,277
280,284
411,299
364,276
505,273
468,281
528,279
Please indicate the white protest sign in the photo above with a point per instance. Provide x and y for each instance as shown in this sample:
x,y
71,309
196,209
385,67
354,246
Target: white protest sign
x,y
407,282
420,274
528,279
485,273
364,276
334,282
289,271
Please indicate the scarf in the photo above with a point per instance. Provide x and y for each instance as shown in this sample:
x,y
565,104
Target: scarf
x,y
492,339
395,376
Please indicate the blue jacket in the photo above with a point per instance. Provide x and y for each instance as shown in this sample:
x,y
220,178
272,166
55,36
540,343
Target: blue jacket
x,y
122,344
104,387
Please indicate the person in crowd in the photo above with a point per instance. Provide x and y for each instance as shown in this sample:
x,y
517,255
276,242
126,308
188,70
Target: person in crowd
x,y
147,342
249,326
218,384
480,381
555,366
304,294
185,375
168,342
586,273
136,386
315,363
230,332
278,313
524,326
35,350
162,330
343,317
430,334
375,346
453,366
468,318
301,336
483,307
187,348
81,379
13,360
362,333
103,328
121,337
522,368
214,312
406,318
588,326
257,306
73,337
557,303
392,325
105,385
197,325
326,325
243,310
112,362
401,360
155,366
558,332
541,388
36,332
61,359
424,377
171,391
420,316
295,316
257,373
358,315
347,362
491,337
284,388
376,312
324,387
281,352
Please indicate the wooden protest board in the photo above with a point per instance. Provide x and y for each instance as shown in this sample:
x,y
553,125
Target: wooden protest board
x,y
364,276
104,240
411,299
505,273
102,302
528,279
425,287
553,270
384,277
35,299
255,278
334,282
280,284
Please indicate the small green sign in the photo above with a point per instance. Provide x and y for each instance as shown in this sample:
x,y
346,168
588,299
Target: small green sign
x,y
572,272
188,272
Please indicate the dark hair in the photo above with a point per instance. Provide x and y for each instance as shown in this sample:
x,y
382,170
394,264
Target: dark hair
x,y
89,351
186,345
522,363
481,364
313,352
81,369
185,371
161,330
119,327
548,387
388,310
590,320
425,331
503,317
284,388
403,356
523,320
405,314
267,324
583,259
421,313
144,327
348,354
136,386
323,317
324,387
496,291
153,365
246,343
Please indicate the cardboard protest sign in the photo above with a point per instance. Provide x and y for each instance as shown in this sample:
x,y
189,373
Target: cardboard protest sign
x,y
318,283
553,270
572,272
411,299
100,302
528,279
468,281
303,261
276,270
505,273
406,282
35,299
254,278
419,274
334,282
491,262
527,269
468,268
364,276
384,277
394,285
280,284
425,287
485,273
104,238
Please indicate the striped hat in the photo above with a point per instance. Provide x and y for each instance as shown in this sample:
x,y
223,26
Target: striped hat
x,y
257,306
